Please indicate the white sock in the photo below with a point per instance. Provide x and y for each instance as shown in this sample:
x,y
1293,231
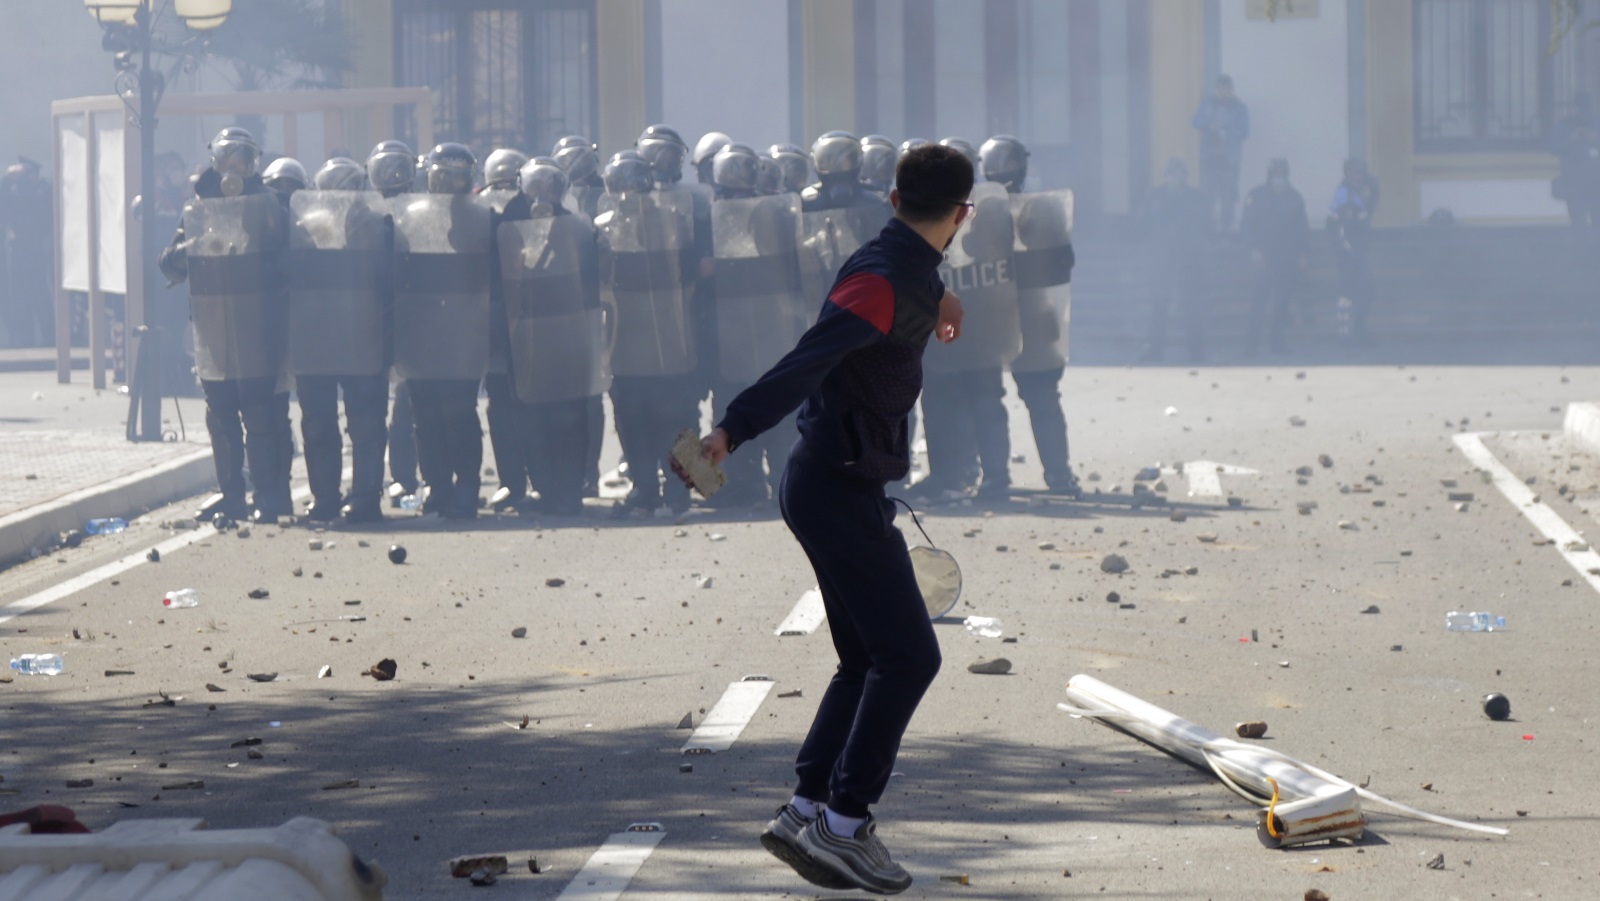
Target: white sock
x,y
806,807
843,826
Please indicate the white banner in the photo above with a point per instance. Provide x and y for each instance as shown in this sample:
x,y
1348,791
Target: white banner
x,y
74,225
111,202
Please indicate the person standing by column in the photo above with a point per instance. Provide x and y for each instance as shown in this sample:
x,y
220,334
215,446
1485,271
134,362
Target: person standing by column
x,y
855,375
1224,124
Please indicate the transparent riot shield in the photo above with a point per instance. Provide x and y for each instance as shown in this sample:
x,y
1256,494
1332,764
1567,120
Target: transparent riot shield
x,y
560,347
980,269
644,244
338,258
760,310
1044,272
442,277
235,286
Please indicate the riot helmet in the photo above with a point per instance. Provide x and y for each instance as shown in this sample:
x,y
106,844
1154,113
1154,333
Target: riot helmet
x,y
391,168
285,175
735,169
795,164
966,148
501,167
878,159
705,150
450,167
769,176
909,143
545,183
235,152
578,156
665,151
340,174
628,173
1004,159
837,155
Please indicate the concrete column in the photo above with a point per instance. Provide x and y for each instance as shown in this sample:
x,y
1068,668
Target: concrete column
x,y
1177,81
1390,116
829,72
372,66
620,28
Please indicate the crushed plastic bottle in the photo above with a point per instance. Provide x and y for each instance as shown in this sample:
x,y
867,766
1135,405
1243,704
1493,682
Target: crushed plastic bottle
x,y
39,665
1476,621
986,626
181,597
109,526
411,502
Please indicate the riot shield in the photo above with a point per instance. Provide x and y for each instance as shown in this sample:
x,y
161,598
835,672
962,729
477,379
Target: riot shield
x,y
828,238
980,269
760,310
559,345
338,257
442,277
235,286
644,242
497,198
1044,272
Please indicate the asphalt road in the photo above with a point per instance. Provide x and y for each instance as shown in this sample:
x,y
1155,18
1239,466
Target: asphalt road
x,y
993,783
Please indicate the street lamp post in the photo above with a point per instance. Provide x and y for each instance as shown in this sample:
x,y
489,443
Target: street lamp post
x,y
130,27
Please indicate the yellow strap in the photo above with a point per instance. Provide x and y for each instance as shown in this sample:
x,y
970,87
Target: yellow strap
x,y
1271,806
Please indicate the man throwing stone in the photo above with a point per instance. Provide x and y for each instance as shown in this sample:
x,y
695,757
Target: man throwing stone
x,y
855,376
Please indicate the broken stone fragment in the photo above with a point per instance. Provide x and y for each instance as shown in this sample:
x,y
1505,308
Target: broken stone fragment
x,y
687,722
1250,729
383,670
1303,471
519,632
554,582
1325,460
996,667
1207,537
1113,563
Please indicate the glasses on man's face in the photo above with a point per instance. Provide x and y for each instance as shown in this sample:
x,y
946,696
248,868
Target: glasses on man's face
x,y
969,206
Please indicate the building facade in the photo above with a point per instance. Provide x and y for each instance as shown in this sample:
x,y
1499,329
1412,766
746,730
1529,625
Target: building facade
x,y
1451,101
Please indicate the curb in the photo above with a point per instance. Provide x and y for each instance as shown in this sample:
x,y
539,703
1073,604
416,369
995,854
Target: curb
x,y
1582,426
128,496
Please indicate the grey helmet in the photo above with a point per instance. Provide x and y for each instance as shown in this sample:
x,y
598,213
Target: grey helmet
x,y
286,176
796,166
663,148
878,159
579,156
234,151
391,168
340,174
629,173
769,177
736,167
837,155
966,148
909,143
1004,159
501,167
545,183
705,150
450,168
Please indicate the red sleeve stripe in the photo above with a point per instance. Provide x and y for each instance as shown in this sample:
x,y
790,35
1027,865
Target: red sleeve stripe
x,y
869,296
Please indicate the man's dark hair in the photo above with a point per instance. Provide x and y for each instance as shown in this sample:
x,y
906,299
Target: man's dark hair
x,y
932,180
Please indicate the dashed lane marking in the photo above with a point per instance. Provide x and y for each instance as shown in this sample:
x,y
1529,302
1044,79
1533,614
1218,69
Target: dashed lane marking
x,y
609,870
806,616
727,719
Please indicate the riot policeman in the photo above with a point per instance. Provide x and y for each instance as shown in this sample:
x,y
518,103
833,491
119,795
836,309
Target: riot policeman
x,y
1275,225
340,242
838,214
229,248
909,143
963,389
759,309
645,238
443,272
769,176
967,150
391,171
878,159
285,175
579,157
508,436
559,358
796,165
1044,298
705,152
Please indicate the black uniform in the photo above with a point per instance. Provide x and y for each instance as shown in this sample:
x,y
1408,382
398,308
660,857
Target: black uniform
x,y
1275,225
508,420
1350,225
1177,221
247,417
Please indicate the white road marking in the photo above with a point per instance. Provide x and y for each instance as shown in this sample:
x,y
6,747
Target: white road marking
x,y
732,713
1546,520
119,566
609,870
806,616
1205,476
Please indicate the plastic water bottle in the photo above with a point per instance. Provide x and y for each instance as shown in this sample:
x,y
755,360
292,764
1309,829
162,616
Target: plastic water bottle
x,y
109,526
182,597
1456,621
986,626
411,502
39,664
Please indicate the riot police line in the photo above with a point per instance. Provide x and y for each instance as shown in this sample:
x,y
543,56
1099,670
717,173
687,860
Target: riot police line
x,y
557,280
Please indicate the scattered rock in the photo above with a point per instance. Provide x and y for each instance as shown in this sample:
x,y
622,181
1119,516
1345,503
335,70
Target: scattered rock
x,y
1207,537
718,536
258,594
996,667
1371,608
1179,516
680,533
383,670
1303,471
314,544
212,687
1236,502
1305,507
80,783
1461,508
1349,526
463,867
1313,894
397,554
1461,496
687,722
119,672
1113,563
1251,729
519,632
73,538
246,742
1113,598
348,783
704,582
154,556
1325,460
261,677
1297,422
554,582
253,754
791,694
1436,862
325,671
242,533
1497,707
297,572
1047,546
1191,570
1054,567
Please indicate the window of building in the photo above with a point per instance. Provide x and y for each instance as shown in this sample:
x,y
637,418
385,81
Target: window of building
x,y
1486,77
504,73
